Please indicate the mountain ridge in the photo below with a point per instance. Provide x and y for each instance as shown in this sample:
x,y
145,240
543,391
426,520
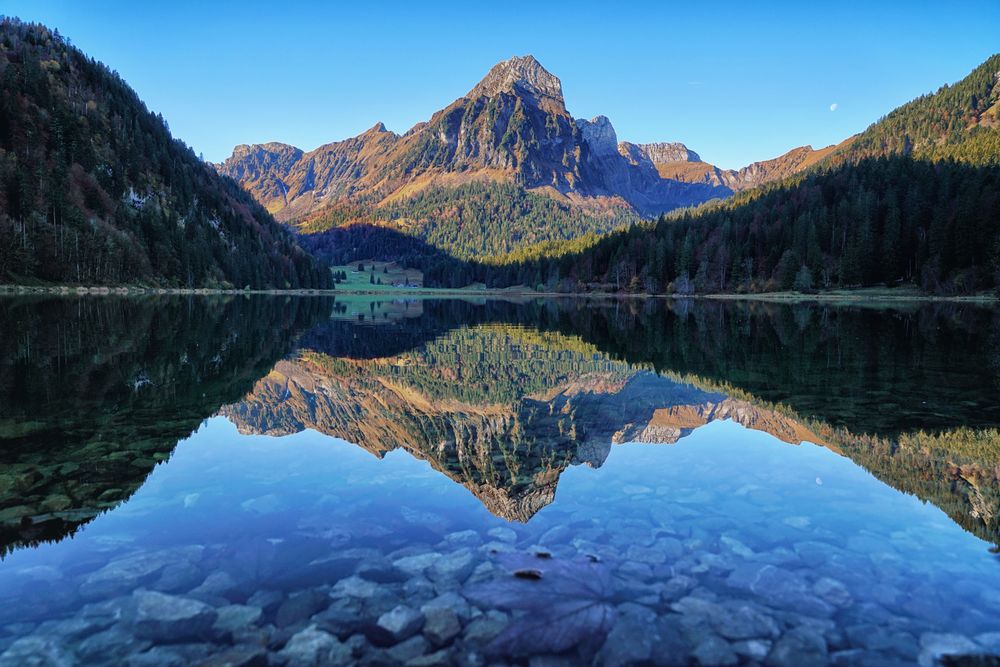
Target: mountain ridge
x,y
511,127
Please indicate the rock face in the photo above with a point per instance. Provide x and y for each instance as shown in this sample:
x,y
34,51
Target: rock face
x,y
676,162
525,77
599,135
658,153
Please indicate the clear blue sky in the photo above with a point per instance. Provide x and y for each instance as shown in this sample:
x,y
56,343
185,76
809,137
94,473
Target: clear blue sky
x,y
735,81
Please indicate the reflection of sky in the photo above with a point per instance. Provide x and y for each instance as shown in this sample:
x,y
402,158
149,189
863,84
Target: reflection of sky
x,y
220,486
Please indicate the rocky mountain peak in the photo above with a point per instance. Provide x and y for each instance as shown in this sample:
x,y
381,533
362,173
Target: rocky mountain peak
x,y
599,135
524,75
663,152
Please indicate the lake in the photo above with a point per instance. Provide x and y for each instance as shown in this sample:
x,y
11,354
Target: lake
x,y
314,480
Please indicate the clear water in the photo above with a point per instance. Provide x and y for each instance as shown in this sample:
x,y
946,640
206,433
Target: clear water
x,y
273,481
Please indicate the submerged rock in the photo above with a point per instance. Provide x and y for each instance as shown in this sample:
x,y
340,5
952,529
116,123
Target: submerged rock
x,y
935,646
397,625
314,648
800,647
36,652
441,625
714,651
236,617
300,607
169,618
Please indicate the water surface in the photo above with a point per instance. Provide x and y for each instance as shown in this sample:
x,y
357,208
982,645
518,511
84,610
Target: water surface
x,y
311,481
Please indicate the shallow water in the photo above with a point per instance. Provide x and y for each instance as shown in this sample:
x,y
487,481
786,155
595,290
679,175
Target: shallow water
x,y
275,481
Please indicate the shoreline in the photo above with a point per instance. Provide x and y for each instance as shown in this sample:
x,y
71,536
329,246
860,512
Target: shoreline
x,y
873,295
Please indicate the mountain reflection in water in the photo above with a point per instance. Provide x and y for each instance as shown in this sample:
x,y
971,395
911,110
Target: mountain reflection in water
x,y
670,481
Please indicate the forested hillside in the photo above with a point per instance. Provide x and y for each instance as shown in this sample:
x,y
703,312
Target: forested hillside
x,y
479,219
961,121
94,190
878,222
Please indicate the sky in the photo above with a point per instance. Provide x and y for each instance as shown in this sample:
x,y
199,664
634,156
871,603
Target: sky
x,y
735,81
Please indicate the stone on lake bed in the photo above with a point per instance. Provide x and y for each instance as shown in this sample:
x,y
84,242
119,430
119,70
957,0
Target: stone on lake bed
x,y
441,624
635,489
801,647
833,592
503,534
714,652
413,565
452,601
935,646
169,618
414,647
314,648
464,538
456,566
484,628
121,576
300,607
646,555
36,651
354,587
244,655
235,617
399,624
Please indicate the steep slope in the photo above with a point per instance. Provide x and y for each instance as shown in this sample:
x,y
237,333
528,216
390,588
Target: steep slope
x,y
94,190
959,121
511,129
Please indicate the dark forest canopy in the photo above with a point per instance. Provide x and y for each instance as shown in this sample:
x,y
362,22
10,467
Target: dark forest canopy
x,y
94,190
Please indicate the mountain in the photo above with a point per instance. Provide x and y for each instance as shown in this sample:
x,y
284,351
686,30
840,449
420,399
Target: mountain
x,y
913,200
94,190
510,136
676,162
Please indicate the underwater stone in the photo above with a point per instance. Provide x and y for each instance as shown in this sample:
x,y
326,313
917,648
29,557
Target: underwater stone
x,y
935,645
314,648
401,623
414,647
162,617
235,617
800,647
833,592
714,651
455,566
503,534
40,651
299,607
355,587
441,624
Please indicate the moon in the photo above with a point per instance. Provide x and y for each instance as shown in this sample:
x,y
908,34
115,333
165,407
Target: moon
x,y
833,107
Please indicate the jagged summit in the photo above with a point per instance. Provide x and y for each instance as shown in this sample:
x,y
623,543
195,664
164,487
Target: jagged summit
x,y
524,75
662,152
600,134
